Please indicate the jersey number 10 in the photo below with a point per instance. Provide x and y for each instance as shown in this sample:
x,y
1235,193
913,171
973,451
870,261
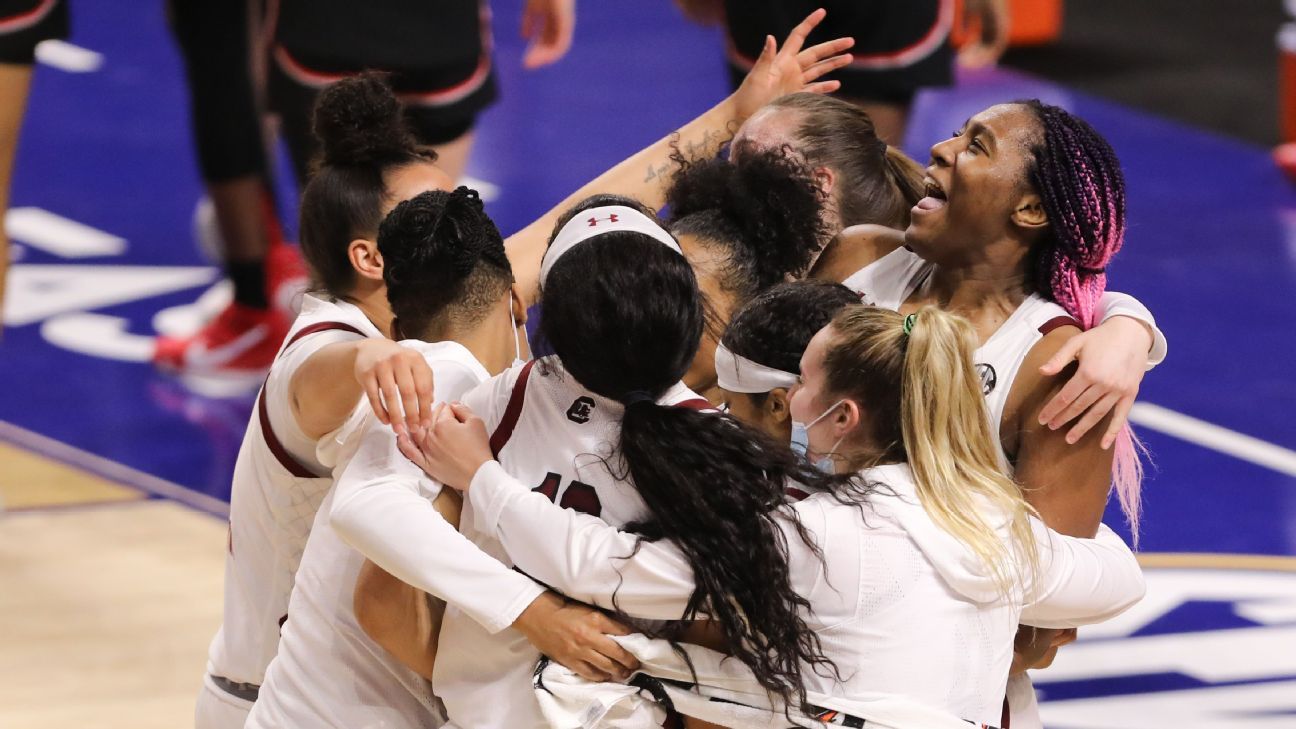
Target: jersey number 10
x,y
577,496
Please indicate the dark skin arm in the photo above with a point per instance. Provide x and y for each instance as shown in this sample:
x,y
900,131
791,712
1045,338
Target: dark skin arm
x,y
1068,484
853,249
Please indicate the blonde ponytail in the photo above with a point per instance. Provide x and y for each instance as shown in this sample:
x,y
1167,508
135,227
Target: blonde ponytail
x,y
915,376
952,452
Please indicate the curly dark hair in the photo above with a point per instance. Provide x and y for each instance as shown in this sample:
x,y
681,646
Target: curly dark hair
x,y
775,328
623,314
443,260
362,135
762,209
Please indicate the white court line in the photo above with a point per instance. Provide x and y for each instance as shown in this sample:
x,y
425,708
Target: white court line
x,y
67,57
1214,437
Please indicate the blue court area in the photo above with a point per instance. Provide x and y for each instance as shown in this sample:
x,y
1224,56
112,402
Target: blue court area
x,y
106,187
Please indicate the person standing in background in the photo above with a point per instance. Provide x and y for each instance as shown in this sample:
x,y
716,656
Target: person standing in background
x,y
438,56
900,45
217,40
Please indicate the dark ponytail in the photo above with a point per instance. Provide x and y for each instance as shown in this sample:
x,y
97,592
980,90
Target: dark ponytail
x,y
443,260
362,135
622,312
775,328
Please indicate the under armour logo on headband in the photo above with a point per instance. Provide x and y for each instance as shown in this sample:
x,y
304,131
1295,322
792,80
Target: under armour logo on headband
x,y
602,220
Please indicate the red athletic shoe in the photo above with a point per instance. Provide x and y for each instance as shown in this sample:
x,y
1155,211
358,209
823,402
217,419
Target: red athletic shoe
x,y
286,278
241,339
285,271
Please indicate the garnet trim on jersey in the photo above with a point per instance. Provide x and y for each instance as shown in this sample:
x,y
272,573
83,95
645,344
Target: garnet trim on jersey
x,y
1058,322
513,410
281,454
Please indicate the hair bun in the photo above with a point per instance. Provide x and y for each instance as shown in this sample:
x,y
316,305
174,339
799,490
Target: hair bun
x,y
766,200
359,121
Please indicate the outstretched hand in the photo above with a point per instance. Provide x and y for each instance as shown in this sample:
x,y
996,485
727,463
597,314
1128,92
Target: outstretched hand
x,y
452,448
791,69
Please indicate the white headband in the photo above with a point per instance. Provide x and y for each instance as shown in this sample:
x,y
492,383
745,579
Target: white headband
x,y
739,374
597,221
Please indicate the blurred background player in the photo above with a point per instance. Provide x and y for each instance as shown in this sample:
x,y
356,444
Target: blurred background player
x,y
900,45
216,40
23,24
438,56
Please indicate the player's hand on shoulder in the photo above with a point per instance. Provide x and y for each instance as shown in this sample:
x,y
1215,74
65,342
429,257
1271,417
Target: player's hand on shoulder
x,y
1112,359
789,69
576,636
452,448
397,381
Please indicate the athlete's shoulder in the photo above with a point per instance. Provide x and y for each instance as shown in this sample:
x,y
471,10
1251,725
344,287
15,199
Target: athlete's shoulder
x,y
855,248
499,401
324,321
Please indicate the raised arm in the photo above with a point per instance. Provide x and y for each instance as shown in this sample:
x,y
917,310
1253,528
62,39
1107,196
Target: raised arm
x,y
644,175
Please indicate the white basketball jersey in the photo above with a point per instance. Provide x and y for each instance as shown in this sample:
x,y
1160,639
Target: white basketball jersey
x,y
328,672
554,435
889,281
277,488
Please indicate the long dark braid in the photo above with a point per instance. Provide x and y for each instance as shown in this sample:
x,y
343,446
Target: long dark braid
x,y
623,314
1080,182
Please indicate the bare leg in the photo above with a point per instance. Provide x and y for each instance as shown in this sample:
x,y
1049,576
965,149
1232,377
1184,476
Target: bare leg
x,y
452,157
238,203
15,82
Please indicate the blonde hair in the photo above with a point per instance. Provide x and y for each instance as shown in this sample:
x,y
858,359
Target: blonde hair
x,y
925,406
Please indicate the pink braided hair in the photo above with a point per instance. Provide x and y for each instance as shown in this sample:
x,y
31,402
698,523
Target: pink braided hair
x,y
1080,182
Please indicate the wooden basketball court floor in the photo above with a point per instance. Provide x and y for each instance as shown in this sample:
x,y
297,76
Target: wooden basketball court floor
x,y
108,599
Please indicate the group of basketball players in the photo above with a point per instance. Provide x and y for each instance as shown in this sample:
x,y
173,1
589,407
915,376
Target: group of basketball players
x,y
845,420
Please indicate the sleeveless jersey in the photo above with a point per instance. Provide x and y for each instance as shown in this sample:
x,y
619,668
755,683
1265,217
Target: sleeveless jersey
x,y
554,435
890,280
328,672
277,488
